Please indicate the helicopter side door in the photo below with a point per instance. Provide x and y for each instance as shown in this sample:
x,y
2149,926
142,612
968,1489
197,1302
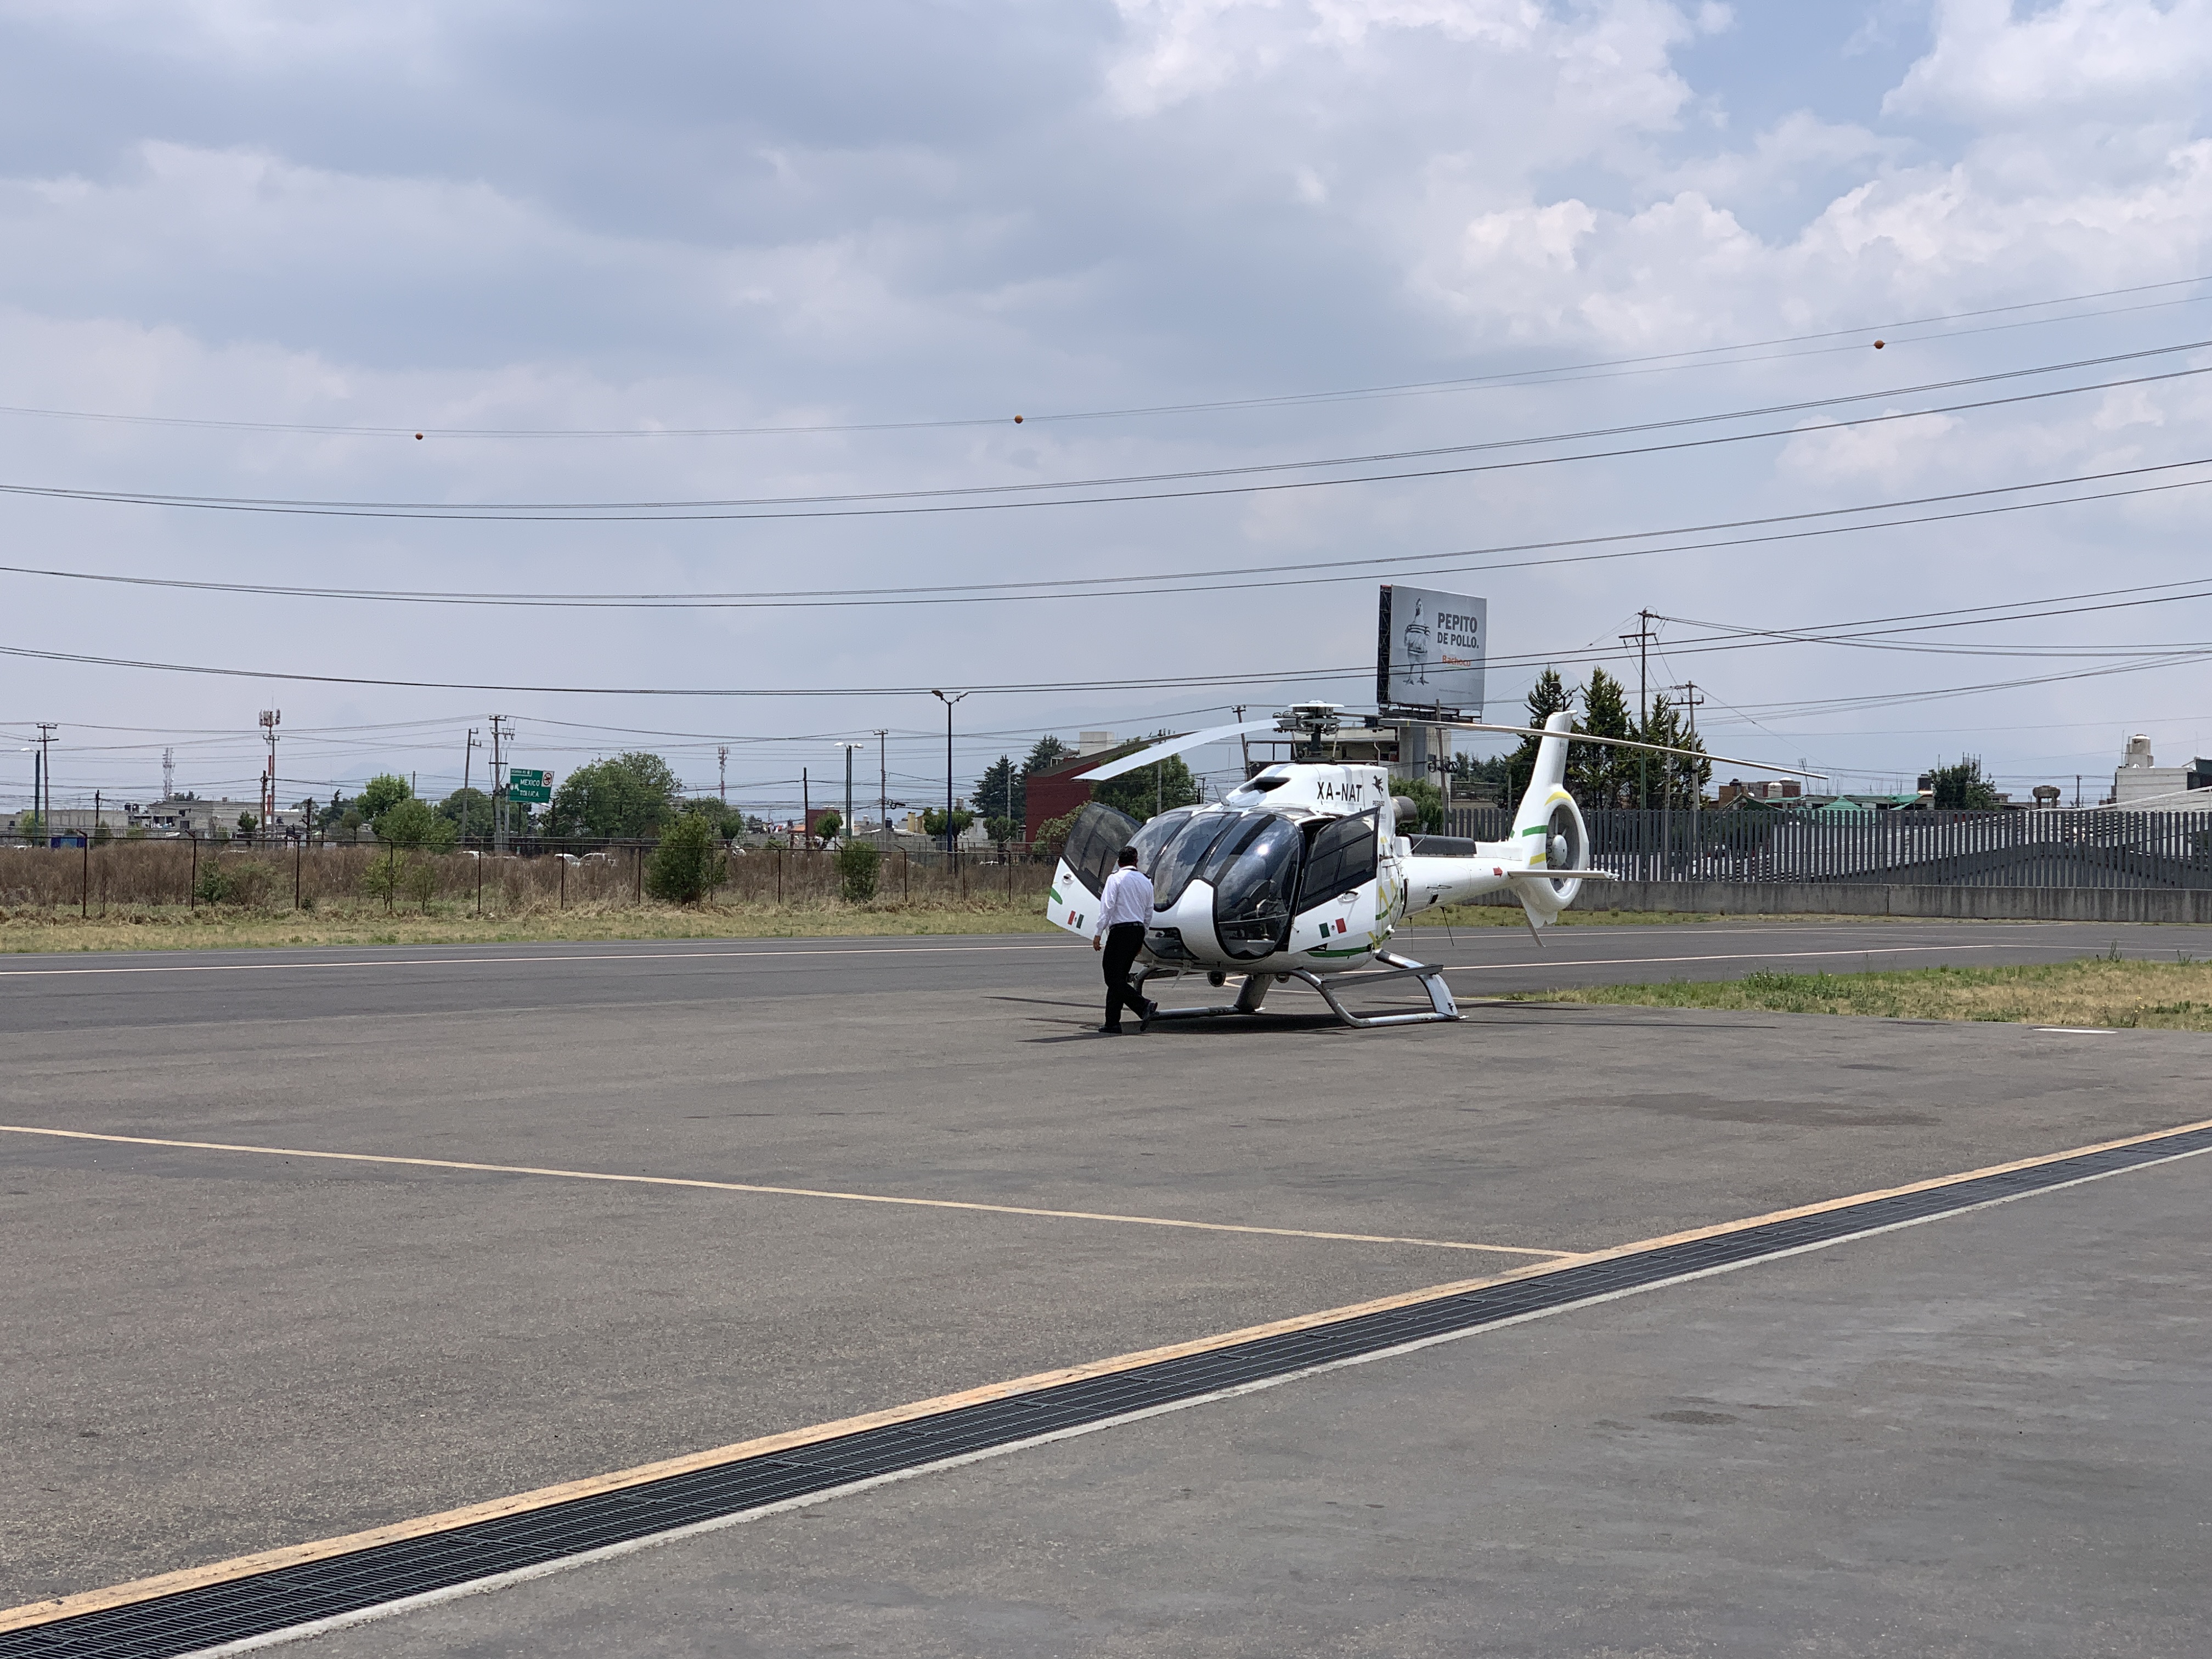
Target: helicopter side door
x,y
1094,842
1336,921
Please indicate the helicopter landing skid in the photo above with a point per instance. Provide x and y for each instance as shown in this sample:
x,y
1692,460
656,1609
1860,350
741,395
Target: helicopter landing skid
x,y
1248,996
1255,986
1441,1005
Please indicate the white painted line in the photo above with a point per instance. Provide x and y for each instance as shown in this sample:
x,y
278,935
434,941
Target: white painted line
x,y
929,951
2077,1030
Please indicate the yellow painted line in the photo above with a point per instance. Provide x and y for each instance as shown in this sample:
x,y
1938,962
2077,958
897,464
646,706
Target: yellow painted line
x,y
929,952
786,1192
246,1567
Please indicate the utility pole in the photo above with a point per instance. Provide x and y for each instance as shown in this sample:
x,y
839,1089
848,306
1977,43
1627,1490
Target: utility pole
x,y
468,755
42,790
499,735
951,840
884,782
806,809
271,719
1641,639
846,832
168,774
1245,741
1691,698
723,774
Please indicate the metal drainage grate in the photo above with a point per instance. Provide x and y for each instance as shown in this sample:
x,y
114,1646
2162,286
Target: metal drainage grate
x,y
191,1621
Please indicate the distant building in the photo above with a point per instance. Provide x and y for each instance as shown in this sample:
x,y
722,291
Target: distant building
x,y
2142,782
187,815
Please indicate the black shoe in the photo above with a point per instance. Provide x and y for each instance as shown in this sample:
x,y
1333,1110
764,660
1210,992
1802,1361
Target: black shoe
x,y
1151,1010
1109,1030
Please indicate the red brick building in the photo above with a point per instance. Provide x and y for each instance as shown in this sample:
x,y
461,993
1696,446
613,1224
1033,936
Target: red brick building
x,y
1058,790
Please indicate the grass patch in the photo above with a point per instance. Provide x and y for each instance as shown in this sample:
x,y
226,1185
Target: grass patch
x,y
2172,996
224,927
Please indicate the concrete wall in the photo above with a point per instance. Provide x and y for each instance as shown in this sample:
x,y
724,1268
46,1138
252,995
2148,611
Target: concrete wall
x,y
1870,899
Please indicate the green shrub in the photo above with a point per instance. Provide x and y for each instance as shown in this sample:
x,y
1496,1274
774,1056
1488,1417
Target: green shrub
x,y
688,864
859,866
216,885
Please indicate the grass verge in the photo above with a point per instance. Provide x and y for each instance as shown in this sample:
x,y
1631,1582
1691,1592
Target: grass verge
x,y
2099,991
223,928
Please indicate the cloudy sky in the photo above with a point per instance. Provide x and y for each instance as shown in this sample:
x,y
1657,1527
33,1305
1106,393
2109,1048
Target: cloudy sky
x,y
807,263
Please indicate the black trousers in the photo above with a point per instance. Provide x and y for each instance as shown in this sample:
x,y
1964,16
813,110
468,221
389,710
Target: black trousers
x,y
1123,940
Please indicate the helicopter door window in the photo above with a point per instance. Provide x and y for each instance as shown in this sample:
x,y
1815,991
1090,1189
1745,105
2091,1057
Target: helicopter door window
x,y
1343,858
1254,873
1156,835
1094,841
1180,858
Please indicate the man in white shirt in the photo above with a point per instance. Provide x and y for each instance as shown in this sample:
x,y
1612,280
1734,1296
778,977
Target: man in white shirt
x,y
1123,909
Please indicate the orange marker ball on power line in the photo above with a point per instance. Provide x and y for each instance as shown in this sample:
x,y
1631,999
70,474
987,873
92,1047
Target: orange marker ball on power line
x,y
1879,344
1017,420
418,437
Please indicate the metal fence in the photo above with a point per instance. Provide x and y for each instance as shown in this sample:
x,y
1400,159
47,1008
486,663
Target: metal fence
x,y
90,877
2045,849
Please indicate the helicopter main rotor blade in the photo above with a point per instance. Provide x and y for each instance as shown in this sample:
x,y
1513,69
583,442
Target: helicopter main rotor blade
x,y
1624,743
1160,751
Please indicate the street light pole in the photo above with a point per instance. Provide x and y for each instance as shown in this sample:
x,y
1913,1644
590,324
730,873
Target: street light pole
x,y
951,840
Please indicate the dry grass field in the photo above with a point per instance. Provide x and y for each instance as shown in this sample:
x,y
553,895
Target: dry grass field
x,y
2095,991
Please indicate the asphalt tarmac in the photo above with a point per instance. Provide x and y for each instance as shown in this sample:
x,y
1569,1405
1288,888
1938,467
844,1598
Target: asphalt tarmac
x,y
222,1347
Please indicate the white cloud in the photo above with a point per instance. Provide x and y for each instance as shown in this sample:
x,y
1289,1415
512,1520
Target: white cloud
x,y
1994,63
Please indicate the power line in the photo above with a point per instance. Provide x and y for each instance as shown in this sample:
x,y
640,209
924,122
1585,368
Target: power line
x,y
1066,587
1701,356
995,497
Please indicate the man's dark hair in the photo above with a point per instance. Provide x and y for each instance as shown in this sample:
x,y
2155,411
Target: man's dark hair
x,y
1128,855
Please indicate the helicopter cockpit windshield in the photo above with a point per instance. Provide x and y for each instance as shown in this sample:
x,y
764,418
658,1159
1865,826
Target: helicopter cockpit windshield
x,y
1254,871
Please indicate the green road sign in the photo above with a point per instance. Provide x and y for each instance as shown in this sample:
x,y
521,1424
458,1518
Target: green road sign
x,y
524,784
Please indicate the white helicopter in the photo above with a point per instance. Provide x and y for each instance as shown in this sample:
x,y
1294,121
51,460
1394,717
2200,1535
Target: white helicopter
x,y
1301,871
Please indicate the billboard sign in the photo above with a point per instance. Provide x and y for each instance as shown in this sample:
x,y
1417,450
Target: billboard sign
x,y
1430,649
526,783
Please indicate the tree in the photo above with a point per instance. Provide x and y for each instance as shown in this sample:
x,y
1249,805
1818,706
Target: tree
x,y
1430,798
1546,698
998,792
101,835
410,824
1003,828
633,794
469,810
31,827
1962,788
1052,834
1491,777
1150,789
247,823
933,821
688,863
1599,776
381,794
829,825
859,867
1046,752
1672,777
